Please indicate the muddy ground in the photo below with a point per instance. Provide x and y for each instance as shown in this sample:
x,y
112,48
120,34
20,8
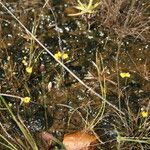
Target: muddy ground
x,y
59,103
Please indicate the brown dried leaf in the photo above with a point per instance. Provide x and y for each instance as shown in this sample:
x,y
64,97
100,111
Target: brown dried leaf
x,y
80,140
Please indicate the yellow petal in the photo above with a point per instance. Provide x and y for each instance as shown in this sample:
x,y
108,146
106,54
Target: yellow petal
x,y
58,55
29,70
26,99
125,75
144,114
64,56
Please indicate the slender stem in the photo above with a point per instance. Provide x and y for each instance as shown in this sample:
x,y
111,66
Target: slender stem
x,y
130,139
9,95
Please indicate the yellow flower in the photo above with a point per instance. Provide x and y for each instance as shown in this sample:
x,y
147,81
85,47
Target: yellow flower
x,y
60,55
26,100
64,56
29,70
125,75
144,114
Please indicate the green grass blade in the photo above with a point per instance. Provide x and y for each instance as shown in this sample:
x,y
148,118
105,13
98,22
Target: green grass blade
x,y
21,126
10,145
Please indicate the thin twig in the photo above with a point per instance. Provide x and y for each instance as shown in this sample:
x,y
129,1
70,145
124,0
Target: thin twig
x,y
9,95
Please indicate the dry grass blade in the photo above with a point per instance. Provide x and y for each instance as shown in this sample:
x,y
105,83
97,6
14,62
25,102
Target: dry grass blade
x,y
9,144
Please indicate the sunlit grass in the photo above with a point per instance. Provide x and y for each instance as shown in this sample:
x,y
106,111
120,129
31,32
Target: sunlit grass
x,y
85,8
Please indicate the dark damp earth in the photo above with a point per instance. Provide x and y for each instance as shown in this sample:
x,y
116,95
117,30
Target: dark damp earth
x,y
99,48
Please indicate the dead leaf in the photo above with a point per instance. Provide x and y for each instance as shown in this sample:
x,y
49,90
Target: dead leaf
x,y
80,140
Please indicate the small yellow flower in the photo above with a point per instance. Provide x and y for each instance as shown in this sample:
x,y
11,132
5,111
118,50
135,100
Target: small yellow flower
x,y
26,100
144,114
64,56
29,70
125,75
60,55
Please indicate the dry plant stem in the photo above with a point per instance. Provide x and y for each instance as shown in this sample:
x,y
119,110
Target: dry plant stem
x,y
9,95
6,133
117,68
59,42
11,147
89,88
11,138
134,139
129,13
100,68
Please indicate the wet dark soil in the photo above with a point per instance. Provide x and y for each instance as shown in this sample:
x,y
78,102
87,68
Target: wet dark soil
x,y
64,107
